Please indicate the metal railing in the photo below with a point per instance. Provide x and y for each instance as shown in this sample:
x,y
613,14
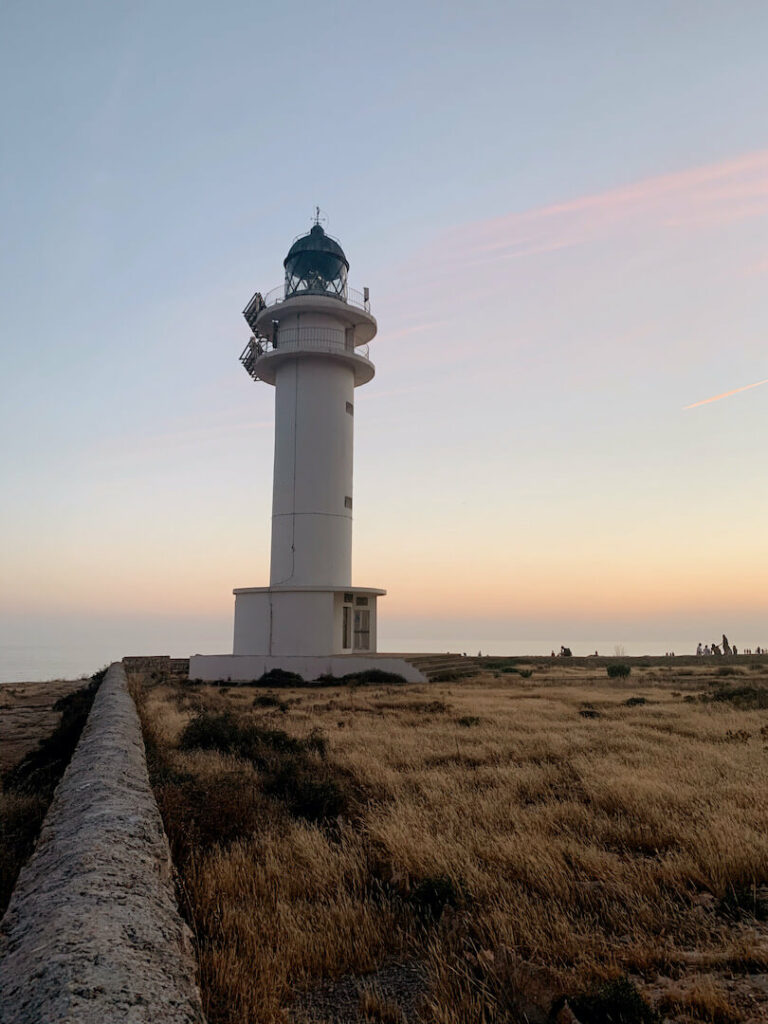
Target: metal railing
x,y
299,339
352,297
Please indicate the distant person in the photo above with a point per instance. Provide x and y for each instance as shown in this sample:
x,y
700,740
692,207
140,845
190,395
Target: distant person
x,y
733,649
699,649
726,645
758,651
707,651
716,649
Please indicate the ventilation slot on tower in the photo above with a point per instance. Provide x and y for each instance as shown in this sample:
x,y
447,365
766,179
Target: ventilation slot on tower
x,y
347,502
350,409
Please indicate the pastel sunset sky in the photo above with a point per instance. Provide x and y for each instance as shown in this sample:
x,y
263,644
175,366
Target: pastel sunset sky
x,y
561,212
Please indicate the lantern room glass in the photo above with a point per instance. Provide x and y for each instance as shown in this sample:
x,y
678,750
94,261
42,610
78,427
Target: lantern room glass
x,y
315,272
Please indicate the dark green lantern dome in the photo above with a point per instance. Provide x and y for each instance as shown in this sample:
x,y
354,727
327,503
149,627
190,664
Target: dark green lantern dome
x,y
316,265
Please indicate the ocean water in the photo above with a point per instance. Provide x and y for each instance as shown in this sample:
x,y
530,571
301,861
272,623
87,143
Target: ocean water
x,y
25,662
579,648
21,663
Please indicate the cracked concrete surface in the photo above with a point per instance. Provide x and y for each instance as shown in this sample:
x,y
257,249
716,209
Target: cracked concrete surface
x,y
92,933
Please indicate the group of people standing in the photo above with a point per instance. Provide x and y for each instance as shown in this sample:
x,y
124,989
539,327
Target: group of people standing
x,y
724,648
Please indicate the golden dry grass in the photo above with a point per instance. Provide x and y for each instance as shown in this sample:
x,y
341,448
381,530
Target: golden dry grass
x,y
564,849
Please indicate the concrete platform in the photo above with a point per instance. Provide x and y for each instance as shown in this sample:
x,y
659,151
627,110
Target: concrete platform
x,y
243,668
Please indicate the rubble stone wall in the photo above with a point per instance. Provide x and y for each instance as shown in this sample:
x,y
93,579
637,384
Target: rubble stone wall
x,y
92,932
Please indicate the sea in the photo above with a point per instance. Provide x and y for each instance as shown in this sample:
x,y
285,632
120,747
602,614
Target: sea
x,y
27,663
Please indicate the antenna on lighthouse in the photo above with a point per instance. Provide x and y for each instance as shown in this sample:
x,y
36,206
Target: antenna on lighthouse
x,y
319,218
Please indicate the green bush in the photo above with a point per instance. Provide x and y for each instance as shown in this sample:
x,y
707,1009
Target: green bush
x,y
619,671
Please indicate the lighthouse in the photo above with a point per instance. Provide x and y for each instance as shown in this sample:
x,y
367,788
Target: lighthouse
x,y
309,342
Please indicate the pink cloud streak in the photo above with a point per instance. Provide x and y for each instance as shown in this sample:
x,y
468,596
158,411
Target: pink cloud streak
x,y
713,195
726,394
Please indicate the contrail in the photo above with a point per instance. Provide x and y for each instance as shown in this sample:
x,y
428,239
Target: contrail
x,y
726,394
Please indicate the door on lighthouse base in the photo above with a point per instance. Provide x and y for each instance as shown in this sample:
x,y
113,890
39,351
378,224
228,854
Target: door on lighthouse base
x,y
346,628
362,634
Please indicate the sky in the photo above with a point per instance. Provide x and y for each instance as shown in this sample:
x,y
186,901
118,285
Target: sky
x,y
560,210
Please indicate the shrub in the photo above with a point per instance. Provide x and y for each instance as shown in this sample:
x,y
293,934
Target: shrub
x,y
221,731
280,677
526,673
314,793
468,720
736,736
618,671
633,702
268,700
748,697
201,813
373,675
745,901
615,1002
294,771
433,894
430,707
726,670
450,675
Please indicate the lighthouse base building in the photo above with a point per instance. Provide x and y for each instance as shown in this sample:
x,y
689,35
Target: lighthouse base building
x,y
310,342
307,621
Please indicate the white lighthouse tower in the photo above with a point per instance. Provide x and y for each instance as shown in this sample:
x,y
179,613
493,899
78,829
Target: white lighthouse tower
x,y
310,341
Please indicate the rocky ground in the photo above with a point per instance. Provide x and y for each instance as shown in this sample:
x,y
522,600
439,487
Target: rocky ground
x,y
27,716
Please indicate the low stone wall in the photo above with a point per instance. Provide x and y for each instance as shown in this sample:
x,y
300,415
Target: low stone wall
x,y
92,933
162,663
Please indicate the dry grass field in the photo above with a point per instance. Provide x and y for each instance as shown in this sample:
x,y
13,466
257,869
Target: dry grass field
x,y
559,847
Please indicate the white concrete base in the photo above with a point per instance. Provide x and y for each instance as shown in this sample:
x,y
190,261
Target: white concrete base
x,y
244,668
308,621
